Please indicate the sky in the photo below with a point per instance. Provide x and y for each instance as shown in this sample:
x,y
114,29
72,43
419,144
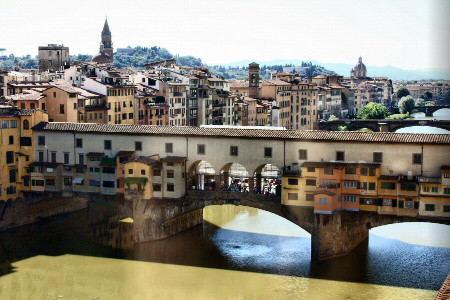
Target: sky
x,y
409,34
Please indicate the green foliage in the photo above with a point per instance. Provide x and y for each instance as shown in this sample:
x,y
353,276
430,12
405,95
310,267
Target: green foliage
x,y
81,57
420,102
24,62
333,118
398,116
135,180
430,103
406,104
427,95
372,111
402,92
189,61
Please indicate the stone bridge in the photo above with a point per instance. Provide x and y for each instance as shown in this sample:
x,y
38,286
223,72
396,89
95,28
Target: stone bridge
x,y
428,110
331,235
384,125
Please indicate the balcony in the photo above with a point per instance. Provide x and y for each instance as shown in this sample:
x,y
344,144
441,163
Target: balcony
x,y
95,107
218,104
291,172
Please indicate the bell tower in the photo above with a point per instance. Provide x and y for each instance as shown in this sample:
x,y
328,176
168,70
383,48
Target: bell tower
x,y
106,40
253,80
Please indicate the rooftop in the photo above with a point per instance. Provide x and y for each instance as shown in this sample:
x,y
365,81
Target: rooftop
x,y
307,135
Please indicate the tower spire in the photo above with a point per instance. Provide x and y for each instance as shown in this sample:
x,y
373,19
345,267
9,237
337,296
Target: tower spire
x,y
106,27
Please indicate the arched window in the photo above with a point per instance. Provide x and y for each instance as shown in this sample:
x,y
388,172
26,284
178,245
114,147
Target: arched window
x,y
26,124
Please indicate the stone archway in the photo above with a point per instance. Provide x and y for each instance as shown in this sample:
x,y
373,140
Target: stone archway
x,y
233,176
265,179
200,174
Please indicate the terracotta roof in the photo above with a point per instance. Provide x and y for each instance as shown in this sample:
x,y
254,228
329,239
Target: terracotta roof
x,y
430,179
98,154
173,159
26,95
239,84
125,153
329,193
337,165
79,166
275,82
308,135
143,159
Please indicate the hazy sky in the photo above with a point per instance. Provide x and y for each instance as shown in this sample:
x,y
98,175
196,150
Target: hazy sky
x,y
409,34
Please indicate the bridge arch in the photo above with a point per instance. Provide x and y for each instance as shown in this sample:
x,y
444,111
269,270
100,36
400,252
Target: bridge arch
x,y
427,123
266,177
200,175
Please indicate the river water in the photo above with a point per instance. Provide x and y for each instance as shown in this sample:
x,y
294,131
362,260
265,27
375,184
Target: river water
x,y
238,253
442,114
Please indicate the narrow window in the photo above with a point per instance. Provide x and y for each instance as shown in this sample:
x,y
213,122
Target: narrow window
x,y
79,143
417,158
107,144
41,140
169,147
234,150
200,149
378,157
138,146
340,155
268,152
303,154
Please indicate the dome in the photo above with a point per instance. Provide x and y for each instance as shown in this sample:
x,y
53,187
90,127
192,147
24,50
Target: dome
x,y
360,66
102,58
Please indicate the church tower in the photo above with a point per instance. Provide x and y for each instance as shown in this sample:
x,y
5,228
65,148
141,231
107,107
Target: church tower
x,y
253,80
106,40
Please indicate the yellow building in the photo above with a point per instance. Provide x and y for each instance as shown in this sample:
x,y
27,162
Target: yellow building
x,y
435,195
16,149
298,187
120,104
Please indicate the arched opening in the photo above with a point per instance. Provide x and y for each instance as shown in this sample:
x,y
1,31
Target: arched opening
x,y
267,180
234,177
26,124
201,176
422,129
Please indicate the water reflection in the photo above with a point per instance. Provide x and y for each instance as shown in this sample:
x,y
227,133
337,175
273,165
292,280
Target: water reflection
x,y
218,260
442,114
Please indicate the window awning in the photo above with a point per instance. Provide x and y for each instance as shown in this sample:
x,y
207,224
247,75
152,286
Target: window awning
x,y
78,180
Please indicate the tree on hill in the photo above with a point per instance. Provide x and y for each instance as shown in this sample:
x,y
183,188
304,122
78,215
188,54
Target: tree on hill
x,y
402,92
372,111
406,104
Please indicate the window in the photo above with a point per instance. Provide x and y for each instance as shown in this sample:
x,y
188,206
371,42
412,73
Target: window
x,y
170,174
292,181
107,144
130,116
12,175
372,186
364,185
53,157
323,201
169,147
364,171
81,159
234,150
351,184
142,172
9,157
409,204
387,202
303,154
447,191
310,182
61,109
26,124
67,180
170,187
138,146
328,171
372,172
309,197
109,170
388,185
79,143
54,94
200,149
79,170
340,155
406,186
94,182
108,184
446,175
435,189
311,169
41,155
41,140
417,158
157,172
429,207
378,157
130,171
156,187
292,196
5,124
74,106
50,182
66,158
350,198
446,208
11,140
350,170
13,124
267,152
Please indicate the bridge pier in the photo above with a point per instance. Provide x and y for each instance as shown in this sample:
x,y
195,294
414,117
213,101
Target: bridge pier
x,y
336,234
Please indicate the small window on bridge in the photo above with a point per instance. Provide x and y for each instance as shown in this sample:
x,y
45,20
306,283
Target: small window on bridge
x,y
200,149
268,152
446,208
311,169
378,157
303,154
417,158
169,147
429,207
156,187
234,150
340,155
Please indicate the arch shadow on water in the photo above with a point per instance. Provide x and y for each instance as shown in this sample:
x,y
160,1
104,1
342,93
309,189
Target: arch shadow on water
x,y
382,261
